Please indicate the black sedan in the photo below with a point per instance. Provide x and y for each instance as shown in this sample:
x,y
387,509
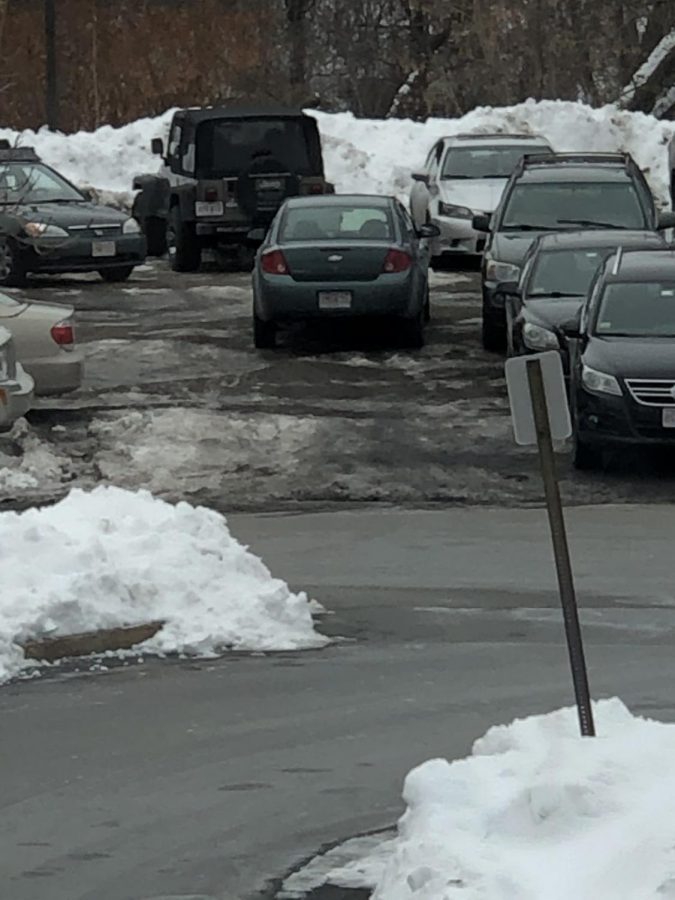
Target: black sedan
x,y
557,274
623,370
338,257
48,225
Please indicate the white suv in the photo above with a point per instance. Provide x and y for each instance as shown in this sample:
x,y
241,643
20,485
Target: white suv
x,y
465,175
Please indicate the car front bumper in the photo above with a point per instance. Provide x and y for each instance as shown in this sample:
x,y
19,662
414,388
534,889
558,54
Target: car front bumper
x,y
607,420
76,254
16,397
58,374
457,237
280,298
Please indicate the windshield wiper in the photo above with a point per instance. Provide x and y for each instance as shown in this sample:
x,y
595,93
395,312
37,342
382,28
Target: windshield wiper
x,y
453,177
590,223
523,226
555,294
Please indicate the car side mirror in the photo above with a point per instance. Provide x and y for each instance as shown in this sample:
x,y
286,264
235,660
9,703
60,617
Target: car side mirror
x,y
665,220
420,176
157,146
428,230
481,222
572,328
508,287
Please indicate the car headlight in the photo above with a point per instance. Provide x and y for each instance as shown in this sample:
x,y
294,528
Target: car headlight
x,y
131,226
42,230
537,338
454,212
501,271
600,382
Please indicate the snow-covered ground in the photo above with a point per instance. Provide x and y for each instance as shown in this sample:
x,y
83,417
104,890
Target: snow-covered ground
x,y
111,558
536,813
372,155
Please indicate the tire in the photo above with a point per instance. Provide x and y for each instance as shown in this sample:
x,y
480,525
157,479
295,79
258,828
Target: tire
x,y
12,270
427,306
585,458
154,229
414,332
185,252
493,337
117,273
264,334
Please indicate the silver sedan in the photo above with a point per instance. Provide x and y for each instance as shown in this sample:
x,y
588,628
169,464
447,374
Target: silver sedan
x,y
16,386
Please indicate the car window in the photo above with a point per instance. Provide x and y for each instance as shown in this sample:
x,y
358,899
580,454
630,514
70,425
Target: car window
x,y
336,222
434,165
637,309
33,183
558,205
566,271
226,147
407,222
174,140
485,162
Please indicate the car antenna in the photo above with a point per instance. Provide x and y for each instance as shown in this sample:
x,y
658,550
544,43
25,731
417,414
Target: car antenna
x,y
617,262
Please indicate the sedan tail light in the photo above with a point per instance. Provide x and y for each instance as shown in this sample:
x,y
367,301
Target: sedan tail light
x,y
397,261
274,263
63,334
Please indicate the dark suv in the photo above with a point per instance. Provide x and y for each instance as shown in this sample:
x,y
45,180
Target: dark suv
x,y
559,192
226,172
622,390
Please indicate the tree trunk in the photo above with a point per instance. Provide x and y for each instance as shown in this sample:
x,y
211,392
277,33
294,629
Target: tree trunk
x,y
297,14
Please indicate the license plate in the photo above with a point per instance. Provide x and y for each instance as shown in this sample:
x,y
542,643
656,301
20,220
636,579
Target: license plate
x,y
668,417
269,184
103,248
335,300
202,208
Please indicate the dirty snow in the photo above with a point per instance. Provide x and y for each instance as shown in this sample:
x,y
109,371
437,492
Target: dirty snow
x,y
113,557
371,155
538,812
27,463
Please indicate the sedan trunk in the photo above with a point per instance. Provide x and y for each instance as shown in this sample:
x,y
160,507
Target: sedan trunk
x,y
335,261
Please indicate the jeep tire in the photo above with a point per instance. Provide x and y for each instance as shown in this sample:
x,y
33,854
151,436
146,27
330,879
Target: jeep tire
x,y
185,252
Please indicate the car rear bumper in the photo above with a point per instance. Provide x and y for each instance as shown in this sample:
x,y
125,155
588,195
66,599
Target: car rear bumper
x,y
617,421
457,237
75,254
16,397
57,374
279,298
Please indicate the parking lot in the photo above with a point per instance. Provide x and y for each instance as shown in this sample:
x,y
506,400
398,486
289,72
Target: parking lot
x,y
177,400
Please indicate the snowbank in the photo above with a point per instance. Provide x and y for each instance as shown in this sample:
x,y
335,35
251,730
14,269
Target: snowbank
x,y
538,812
112,557
372,155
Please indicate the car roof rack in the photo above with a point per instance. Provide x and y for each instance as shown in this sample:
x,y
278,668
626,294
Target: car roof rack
x,y
552,159
17,154
470,136
617,262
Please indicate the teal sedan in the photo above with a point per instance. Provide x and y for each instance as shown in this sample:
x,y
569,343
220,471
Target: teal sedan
x,y
346,256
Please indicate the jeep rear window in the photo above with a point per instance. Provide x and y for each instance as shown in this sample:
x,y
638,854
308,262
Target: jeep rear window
x,y
226,147
554,206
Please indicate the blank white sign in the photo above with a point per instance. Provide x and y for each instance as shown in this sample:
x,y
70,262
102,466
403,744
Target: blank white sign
x,y
518,386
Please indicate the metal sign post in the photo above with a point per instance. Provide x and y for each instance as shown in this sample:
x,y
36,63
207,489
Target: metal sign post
x,y
542,377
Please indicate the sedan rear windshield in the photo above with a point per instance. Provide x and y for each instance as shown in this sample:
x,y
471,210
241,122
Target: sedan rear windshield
x,y
336,222
485,162
566,272
226,147
556,206
637,309
34,183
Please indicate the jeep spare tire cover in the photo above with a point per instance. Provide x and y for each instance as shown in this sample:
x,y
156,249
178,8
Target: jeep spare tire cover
x,y
260,197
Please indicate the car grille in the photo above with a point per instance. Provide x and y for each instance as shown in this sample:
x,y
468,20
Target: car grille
x,y
94,229
652,392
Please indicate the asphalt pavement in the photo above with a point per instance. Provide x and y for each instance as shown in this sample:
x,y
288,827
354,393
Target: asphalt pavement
x,y
210,778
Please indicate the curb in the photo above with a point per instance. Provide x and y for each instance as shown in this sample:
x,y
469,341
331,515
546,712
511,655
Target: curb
x,y
87,643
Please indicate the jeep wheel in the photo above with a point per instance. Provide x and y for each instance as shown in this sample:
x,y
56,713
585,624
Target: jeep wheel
x,y
185,253
12,271
264,334
117,273
154,229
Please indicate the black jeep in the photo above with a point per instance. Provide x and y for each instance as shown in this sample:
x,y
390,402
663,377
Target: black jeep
x,y
226,172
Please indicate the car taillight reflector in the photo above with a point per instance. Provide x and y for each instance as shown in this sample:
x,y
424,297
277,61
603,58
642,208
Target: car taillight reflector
x,y
63,334
274,263
396,261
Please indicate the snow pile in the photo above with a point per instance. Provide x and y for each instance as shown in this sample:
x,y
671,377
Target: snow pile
x,y
538,812
33,464
111,557
368,155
